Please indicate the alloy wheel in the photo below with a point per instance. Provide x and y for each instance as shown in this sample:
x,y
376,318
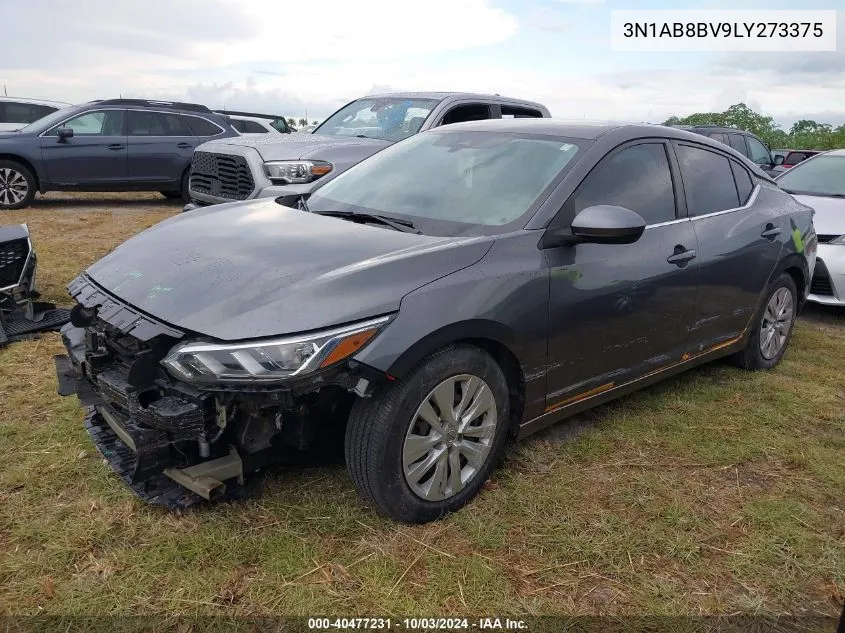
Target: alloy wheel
x,y
450,437
13,186
777,322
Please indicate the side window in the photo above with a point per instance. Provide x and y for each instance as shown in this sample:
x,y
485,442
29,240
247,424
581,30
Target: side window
x,y
468,112
758,152
239,125
514,112
281,125
202,127
637,178
738,143
718,136
12,112
103,123
744,186
708,181
251,127
157,124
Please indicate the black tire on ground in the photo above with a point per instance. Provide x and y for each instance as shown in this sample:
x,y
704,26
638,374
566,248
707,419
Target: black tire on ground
x,y
17,186
377,429
773,317
185,190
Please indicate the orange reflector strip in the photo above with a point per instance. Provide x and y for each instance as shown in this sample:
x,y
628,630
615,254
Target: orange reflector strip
x,y
347,347
580,396
320,170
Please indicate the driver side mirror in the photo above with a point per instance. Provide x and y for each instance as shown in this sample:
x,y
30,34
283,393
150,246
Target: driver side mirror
x,y
64,133
599,224
779,160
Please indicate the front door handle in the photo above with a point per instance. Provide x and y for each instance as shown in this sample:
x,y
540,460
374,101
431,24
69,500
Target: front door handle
x,y
681,256
771,232
116,146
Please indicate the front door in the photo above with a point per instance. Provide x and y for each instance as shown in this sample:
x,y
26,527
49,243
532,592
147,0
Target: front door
x,y
95,156
619,311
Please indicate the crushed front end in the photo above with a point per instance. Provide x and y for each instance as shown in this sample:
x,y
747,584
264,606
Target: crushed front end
x,y
174,443
21,316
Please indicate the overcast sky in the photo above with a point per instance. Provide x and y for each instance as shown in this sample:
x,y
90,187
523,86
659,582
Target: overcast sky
x,y
285,57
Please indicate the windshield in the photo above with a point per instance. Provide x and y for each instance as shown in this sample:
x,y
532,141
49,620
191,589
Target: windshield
x,y
481,179
388,119
821,176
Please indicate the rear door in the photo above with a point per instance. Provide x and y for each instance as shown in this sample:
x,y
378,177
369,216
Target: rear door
x,y
738,240
96,155
160,147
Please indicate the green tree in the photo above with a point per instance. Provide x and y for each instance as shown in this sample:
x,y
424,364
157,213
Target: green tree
x,y
303,122
314,122
292,122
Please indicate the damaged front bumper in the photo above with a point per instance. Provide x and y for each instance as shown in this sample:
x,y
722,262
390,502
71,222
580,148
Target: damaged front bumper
x,y
172,443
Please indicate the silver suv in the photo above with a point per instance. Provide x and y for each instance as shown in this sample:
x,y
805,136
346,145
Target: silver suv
x,y
243,168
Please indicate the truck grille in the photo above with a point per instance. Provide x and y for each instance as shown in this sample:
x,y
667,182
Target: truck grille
x,y
221,175
820,284
13,256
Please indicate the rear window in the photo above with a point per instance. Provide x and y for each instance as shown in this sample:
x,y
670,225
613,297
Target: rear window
x,y
16,112
514,112
708,181
738,143
202,127
248,127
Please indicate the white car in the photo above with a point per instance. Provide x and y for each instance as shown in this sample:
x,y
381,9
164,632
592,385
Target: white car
x,y
16,112
819,182
252,124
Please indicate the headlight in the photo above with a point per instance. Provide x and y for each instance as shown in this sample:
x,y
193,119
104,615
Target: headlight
x,y
269,360
284,172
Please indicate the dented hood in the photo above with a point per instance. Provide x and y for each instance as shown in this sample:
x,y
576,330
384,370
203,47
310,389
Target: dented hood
x,y
255,269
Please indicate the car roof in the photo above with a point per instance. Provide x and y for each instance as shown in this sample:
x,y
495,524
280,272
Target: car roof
x,y
578,128
442,96
44,102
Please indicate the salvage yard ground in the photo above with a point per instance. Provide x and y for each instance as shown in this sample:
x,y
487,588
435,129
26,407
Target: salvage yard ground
x,y
718,491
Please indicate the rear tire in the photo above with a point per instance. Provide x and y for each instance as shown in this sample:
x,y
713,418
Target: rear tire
x,y
407,468
17,186
771,328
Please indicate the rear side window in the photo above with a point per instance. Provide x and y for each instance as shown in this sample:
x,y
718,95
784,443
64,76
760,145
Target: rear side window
x,y
157,124
248,127
637,178
718,136
708,181
793,158
744,186
202,127
15,112
738,143
468,112
514,112
280,124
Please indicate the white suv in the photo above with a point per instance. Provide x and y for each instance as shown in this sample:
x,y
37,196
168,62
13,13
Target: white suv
x,y
250,123
16,113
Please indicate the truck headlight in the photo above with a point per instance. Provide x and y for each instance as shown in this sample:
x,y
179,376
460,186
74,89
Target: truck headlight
x,y
288,172
271,360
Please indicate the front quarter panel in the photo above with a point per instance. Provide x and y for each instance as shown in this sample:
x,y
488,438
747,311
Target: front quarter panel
x,y
503,298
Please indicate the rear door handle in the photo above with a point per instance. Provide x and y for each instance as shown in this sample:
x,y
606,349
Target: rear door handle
x,y
771,232
184,145
681,256
116,146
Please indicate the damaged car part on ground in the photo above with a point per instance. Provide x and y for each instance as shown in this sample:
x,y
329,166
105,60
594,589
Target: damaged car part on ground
x,y
550,267
21,316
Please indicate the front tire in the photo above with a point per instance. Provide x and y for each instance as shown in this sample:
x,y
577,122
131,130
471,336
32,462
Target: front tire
x,y
425,445
17,185
771,329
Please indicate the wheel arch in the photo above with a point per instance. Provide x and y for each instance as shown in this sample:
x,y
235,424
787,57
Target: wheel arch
x,y
494,338
795,265
16,158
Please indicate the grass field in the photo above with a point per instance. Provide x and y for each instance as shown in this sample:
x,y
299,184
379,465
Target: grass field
x,y
715,492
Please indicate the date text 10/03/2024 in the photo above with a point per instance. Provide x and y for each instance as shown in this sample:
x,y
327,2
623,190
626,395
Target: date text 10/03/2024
x,y
446,624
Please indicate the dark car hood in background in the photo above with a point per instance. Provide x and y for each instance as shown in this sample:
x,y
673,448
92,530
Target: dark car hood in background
x,y
300,146
257,269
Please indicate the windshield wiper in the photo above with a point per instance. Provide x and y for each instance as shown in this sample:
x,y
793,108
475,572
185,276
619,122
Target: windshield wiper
x,y
400,225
